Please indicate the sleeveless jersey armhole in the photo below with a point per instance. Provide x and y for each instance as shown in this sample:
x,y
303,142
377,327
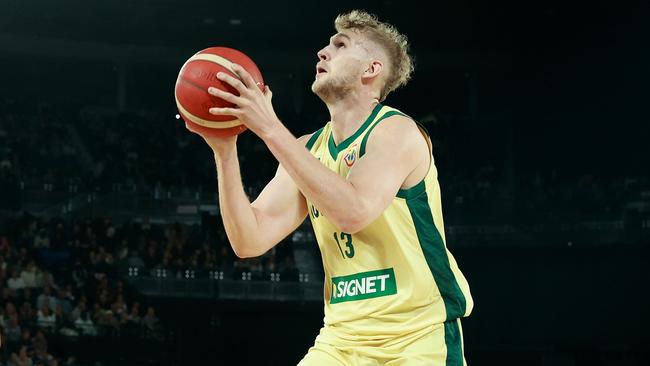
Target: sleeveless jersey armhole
x,y
362,148
312,140
416,190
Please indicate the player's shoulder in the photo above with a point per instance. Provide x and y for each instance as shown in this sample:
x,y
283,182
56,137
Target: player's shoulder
x,y
309,139
393,118
395,127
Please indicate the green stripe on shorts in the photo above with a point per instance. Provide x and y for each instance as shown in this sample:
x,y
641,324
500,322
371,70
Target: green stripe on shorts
x,y
454,344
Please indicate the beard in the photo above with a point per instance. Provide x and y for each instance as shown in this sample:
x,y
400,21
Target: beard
x,y
331,87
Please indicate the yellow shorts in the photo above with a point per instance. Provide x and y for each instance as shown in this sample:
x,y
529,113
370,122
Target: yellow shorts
x,y
443,346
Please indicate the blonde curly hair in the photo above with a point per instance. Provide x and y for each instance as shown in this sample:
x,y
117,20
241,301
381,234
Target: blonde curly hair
x,y
394,43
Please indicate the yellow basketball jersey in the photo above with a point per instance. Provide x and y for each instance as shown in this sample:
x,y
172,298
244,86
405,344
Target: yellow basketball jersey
x,y
395,277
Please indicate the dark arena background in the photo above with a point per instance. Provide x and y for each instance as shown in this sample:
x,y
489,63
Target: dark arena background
x,y
112,250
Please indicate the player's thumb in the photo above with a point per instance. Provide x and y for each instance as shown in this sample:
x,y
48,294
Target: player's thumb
x,y
267,92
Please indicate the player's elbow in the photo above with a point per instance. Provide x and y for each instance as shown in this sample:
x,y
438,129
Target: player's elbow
x,y
245,251
351,224
353,219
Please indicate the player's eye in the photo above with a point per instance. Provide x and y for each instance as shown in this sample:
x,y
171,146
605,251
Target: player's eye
x,y
340,44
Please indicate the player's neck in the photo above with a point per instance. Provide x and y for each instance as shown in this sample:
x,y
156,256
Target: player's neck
x,y
348,114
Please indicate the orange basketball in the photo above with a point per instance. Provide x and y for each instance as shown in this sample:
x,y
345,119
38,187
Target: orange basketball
x,y
198,74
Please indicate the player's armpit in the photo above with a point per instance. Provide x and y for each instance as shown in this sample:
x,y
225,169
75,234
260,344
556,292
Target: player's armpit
x,y
396,152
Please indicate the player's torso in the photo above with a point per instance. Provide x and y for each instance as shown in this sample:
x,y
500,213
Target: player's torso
x,y
378,282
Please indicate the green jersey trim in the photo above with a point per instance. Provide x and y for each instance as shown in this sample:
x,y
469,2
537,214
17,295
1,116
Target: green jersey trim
x,y
435,253
313,138
454,343
362,149
410,193
334,149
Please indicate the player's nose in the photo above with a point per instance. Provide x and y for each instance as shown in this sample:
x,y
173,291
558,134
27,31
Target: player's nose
x,y
322,55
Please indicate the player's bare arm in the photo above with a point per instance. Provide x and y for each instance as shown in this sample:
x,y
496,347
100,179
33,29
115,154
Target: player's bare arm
x,y
397,155
255,228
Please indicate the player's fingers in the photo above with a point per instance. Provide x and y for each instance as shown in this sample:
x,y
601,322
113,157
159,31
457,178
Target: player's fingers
x,y
232,81
225,111
229,97
268,93
245,77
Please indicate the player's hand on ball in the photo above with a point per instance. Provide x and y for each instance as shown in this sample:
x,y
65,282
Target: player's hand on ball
x,y
253,106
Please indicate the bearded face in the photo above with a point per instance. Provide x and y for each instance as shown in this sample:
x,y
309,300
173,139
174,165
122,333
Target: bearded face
x,y
338,81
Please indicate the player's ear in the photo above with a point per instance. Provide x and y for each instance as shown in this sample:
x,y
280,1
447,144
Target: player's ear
x,y
373,70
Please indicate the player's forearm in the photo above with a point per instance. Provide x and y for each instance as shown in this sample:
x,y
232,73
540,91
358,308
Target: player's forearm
x,y
238,216
334,196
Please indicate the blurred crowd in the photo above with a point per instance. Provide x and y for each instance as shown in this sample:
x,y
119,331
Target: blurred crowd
x,y
102,150
60,279
64,277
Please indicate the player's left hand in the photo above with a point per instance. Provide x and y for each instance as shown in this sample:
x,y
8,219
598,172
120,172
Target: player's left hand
x,y
253,106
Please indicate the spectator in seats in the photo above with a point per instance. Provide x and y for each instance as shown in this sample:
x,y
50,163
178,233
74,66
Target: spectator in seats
x,y
3,263
68,295
109,321
46,298
3,319
40,345
16,282
13,330
62,300
26,314
102,299
79,274
119,289
42,357
38,277
96,313
60,318
27,295
151,257
28,275
150,320
48,280
8,294
26,339
123,251
85,324
45,318
20,359
9,312
119,307
58,239
105,264
23,256
134,315
41,240
78,310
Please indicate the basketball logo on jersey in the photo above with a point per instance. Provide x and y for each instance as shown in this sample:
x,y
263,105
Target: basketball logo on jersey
x,y
351,155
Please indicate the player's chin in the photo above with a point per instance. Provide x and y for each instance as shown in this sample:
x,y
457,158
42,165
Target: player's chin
x,y
315,86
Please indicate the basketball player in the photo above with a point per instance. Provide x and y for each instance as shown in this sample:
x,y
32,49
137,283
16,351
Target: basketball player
x,y
393,292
